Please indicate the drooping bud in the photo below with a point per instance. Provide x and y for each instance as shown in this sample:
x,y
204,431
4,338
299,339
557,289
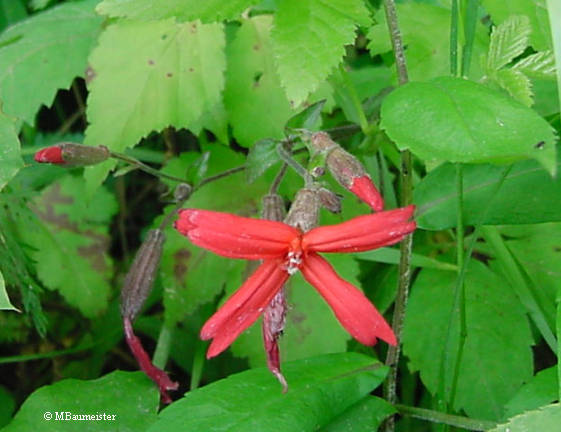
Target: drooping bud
x,y
274,316
347,170
72,154
140,278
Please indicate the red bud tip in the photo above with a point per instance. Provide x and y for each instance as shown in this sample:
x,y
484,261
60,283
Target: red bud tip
x,y
363,188
51,154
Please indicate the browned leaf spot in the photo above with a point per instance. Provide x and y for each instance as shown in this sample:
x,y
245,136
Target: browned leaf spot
x,y
256,47
180,263
169,74
193,28
150,61
556,248
191,69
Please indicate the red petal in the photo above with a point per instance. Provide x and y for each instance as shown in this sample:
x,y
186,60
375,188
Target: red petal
x,y
363,188
244,307
235,236
353,310
50,155
361,233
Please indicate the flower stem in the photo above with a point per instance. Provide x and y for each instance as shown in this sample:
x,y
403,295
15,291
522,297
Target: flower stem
x,y
144,167
448,419
392,357
161,353
278,179
286,156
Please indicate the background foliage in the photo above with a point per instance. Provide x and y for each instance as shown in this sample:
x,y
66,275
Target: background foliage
x,y
196,88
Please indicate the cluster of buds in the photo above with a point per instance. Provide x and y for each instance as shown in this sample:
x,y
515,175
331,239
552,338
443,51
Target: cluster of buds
x,y
346,169
72,154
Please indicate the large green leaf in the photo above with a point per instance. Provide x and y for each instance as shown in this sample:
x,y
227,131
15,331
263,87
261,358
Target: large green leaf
x,y
539,391
150,75
425,29
10,159
308,320
70,243
11,11
364,416
547,418
44,53
535,10
319,389
496,326
256,104
527,195
183,10
308,41
455,120
128,396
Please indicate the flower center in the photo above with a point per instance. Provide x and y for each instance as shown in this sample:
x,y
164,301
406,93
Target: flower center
x,y
294,256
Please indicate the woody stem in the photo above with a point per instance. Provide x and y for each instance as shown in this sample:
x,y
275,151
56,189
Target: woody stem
x,y
406,246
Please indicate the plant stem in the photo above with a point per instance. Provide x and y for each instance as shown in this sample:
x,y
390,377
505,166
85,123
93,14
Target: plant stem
x,y
218,176
448,419
47,355
287,158
392,357
198,363
144,167
470,21
278,179
161,353
454,39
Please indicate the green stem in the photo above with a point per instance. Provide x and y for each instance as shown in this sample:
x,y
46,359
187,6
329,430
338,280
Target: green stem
x,y
392,357
161,353
454,39
198,364
448,419
470,22
287,158
47,355
145,167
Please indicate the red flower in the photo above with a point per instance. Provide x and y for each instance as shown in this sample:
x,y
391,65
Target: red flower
x,y
285,250
50,155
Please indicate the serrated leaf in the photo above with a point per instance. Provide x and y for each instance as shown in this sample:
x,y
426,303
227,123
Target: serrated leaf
x,y
308,41
162,74
496,325
10,158
517,85
128,396
261,156
70,243
547,418
535,10
183,10
252,83
508,40
428,51
455,120
538,65
527,195
53,45
5,303
320,388
539,391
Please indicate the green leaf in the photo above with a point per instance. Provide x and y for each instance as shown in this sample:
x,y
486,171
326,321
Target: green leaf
x,y
528,195
161,73
455,120
10,159
535,10
364,416
517,85
554,10
261,156
11,11
319,389
7,406
53,45
308,320
539,391
547,418
496,326
70,243
308,41
5,303
538,65
128,396
252,83
508,40
309,118
390,255
183,10
428,51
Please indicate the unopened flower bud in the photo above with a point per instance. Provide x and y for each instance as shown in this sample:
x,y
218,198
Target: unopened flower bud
x,y
330,200
273,207
304,211
347,170
182,192
141,275
72,154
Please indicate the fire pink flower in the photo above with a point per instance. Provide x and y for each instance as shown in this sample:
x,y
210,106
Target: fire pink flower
x,y
285,250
